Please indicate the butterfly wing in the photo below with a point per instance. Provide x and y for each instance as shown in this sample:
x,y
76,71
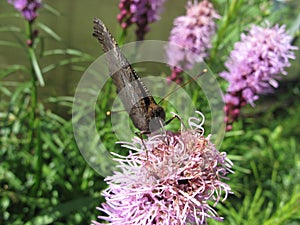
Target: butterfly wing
x,y
135,97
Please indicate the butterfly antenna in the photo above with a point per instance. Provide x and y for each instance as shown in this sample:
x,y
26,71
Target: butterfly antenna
x,y
183,85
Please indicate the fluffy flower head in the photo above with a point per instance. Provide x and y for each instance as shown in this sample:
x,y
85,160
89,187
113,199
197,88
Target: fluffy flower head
x,y
140,12
28,8
254,64
173,182
192,33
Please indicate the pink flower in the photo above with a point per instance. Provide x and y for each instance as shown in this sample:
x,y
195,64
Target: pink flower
x,y
28,8
191,33
253,67
140,12
171,178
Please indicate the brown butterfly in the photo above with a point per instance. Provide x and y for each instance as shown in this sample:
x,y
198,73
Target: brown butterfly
x,y
145,113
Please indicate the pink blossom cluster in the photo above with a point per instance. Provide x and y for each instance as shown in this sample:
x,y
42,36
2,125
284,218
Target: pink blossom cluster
x,y
168,179
254,65
191,33
28,8
141,13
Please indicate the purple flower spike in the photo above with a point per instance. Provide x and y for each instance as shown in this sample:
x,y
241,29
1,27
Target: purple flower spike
x,y
253,67
177,179
140,12
191,33
28,8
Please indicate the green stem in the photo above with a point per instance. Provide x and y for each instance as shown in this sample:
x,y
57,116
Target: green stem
x,y
35,137
33,89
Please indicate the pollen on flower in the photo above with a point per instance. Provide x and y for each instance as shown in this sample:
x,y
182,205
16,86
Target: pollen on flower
x,y
177,179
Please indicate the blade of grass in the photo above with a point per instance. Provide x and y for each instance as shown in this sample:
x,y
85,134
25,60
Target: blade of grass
x,y
36,67
49,31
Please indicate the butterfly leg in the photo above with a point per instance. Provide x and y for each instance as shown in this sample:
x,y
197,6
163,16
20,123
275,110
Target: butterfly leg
x,y
140,135
175,116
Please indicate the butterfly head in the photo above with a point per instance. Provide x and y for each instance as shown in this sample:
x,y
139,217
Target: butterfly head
x,y
156,118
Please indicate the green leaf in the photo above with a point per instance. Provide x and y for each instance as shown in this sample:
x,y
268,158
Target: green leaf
x,y
5,91
10,29
10,15
56,118
74,52
62,100
9,44
12,69
64,62
49,8
49,31
36,67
